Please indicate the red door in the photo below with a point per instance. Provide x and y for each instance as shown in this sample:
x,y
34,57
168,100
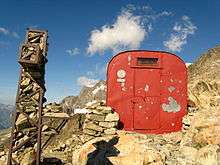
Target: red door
x,y
146,98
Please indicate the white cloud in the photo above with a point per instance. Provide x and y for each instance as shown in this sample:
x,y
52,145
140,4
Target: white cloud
x,y
14,34
131,27
165,13
132,7
181,31
4,31
175,43
7,32
73,52
147,12
126,33
85,81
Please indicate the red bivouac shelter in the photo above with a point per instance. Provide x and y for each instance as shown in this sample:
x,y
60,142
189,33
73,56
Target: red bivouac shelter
x,y
148,89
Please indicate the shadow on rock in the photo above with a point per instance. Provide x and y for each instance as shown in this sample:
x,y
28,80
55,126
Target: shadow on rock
x,y
52,161
103,151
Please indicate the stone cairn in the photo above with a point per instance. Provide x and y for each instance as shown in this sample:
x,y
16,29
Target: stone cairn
x,y
100,121
26,130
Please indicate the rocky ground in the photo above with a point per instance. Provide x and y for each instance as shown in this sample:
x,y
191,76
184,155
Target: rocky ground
x,y
197,143
204,79
93,139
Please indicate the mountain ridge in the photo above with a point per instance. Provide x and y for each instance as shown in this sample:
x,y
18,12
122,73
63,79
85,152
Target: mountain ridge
x,y
5,111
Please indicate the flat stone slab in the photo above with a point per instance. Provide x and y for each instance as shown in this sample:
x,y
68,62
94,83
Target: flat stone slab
x,y
56,115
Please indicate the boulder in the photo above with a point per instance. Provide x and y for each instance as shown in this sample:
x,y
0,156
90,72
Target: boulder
x,y
2,153
90,132
152,156
93,104
45,128
188,154
93,126
25,82
208,155
104,109
21,122
28,158
96,117
110,131
112,117
136,158
57,115
210,135
108,124
36,96
129,149
30,109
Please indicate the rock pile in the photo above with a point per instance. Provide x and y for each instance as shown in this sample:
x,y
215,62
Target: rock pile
x,y
30,95
52,107
100,121
54,110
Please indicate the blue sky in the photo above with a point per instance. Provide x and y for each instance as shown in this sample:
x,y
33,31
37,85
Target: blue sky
x,y
84,35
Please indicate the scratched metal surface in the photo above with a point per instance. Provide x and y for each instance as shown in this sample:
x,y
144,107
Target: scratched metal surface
x,y
148,89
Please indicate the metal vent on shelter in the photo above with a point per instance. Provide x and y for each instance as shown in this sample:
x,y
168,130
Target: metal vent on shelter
x,y
147,61
148,89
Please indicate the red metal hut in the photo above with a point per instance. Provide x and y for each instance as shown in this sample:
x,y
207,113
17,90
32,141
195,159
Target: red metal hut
x,y
148,89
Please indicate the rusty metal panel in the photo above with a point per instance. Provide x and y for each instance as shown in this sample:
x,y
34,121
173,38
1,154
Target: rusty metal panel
x,y
148,89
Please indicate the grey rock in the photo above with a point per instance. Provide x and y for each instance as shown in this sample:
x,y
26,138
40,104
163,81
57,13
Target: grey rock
x,y
95,117
21,122
89,132
108,124
110,131
93,126
112,117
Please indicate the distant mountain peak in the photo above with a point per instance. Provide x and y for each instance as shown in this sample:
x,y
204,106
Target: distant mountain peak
x,y
5,119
